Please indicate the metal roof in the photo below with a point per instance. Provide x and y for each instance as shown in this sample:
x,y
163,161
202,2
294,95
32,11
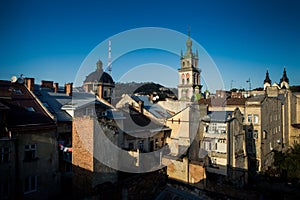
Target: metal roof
x,y
156,110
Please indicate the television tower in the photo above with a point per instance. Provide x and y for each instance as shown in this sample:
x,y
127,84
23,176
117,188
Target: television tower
x,y
109,68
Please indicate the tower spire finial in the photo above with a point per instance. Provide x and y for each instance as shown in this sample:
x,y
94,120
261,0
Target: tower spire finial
x,y
189,31
267,79
284,76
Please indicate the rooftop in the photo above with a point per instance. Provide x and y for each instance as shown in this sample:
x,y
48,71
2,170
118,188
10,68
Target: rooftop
x,y
24,108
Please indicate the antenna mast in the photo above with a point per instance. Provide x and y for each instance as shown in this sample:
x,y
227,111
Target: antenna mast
x,y
109,68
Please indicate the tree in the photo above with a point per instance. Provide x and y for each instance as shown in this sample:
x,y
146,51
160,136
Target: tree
x,y
288,164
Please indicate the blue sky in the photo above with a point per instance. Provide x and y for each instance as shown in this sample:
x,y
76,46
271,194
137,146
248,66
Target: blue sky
x,y
51,39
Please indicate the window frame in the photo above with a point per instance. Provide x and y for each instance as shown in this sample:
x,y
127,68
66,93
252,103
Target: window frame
x,y
255,119
249,118
30,184
3,153
30,148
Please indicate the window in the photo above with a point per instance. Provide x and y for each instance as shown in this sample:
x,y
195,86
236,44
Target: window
x,y
182,81
265,134
141,145
130,146
30,184
30,152
255,134
156,143
187,81
89,111
31,109
255,119
5,155
18,91
249,118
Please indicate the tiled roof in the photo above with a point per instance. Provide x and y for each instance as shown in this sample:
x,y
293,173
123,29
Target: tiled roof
x,y
24,109
222,102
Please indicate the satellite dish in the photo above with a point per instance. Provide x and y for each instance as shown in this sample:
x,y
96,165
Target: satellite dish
x,y
20,80
13,79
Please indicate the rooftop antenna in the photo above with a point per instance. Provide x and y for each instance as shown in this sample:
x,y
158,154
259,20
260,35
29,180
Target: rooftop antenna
x,y
249,81
109,67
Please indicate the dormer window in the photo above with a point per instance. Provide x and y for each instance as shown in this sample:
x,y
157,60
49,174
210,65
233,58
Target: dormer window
x,y
18,91
31,109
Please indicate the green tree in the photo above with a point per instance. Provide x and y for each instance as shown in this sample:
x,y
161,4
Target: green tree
x,y
288,164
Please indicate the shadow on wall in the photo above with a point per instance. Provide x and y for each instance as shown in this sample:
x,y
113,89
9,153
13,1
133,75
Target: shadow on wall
x,y
128,186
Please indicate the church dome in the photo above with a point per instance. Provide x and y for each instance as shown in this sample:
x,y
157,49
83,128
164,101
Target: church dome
x,y
99,76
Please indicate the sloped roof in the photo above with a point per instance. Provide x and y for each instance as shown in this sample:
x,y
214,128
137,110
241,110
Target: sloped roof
x,y
139,124
155,109
54,101
24,109
218,116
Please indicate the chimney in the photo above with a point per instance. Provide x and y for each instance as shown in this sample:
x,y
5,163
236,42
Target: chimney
x,y
68,88
141,107
47,84
55,87
29,82
100,91
151,98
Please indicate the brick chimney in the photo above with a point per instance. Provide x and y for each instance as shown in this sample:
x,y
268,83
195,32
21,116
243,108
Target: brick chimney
x,y
141,107
55,87
47,84
29,82
69,88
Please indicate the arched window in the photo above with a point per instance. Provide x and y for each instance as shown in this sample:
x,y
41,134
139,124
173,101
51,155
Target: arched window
x,y
188,81
182,81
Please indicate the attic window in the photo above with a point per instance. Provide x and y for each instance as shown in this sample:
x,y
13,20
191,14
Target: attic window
x,y
31,109
18,91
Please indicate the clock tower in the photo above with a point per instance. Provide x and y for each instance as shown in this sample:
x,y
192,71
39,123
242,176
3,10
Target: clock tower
x,y
189,88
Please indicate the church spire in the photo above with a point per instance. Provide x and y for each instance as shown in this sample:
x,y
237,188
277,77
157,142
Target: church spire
x,y
284,77
188,53
267,79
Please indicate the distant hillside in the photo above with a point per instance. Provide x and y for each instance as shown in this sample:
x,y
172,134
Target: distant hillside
x,y
143,88
295,88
